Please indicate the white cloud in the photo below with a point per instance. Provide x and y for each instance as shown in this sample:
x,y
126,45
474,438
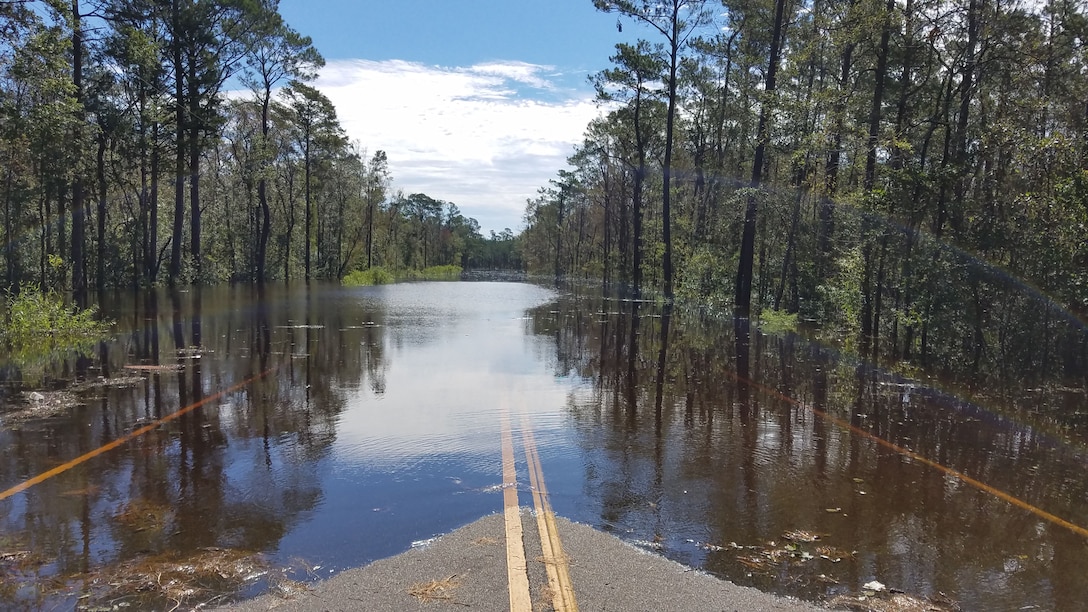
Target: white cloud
x,y
484,137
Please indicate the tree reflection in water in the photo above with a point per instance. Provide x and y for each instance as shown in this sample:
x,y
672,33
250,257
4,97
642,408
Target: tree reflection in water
x,y
697,453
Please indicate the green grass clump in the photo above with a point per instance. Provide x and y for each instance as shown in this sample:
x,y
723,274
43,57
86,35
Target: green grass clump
x,y
364,278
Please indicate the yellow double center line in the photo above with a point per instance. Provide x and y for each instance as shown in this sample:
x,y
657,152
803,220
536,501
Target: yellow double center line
x,y
555,561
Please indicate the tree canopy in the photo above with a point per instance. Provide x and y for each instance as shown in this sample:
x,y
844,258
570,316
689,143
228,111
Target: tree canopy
x,y
882,167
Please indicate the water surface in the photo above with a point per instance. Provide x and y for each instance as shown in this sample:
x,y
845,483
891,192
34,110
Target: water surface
x,y
367,419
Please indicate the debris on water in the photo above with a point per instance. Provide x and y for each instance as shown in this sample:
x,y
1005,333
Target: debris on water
x,y
285,588
800,535
833,554
112,382
793,552
894,602
208,576
424,543
874,585
144,515
656,546
174,367
39,405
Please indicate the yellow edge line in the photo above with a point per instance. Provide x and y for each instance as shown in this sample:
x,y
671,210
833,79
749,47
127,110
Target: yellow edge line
x,y
64,467
517,571
555,561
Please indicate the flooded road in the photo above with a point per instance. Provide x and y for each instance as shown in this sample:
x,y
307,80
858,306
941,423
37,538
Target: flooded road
x,y
351,423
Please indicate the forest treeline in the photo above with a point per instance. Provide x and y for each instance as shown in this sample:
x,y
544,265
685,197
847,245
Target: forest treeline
x,y
913,173
177,141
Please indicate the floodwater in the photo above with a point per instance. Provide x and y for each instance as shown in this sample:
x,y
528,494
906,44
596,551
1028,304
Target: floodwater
x,y
334,426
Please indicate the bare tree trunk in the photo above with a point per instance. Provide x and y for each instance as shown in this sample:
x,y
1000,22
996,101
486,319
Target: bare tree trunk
x,y
179,153
743,296
79,262
100,276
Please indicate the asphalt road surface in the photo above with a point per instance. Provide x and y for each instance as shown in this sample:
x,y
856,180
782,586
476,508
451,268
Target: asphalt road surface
x,y
467,570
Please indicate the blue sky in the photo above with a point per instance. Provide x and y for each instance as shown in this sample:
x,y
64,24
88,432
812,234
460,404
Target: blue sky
x,y
477,102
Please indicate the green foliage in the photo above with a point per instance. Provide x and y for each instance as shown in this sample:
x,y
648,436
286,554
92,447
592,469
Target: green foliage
x,y
38,326
841,297
364,278
33,314
706,277
777,321
435,273
381,276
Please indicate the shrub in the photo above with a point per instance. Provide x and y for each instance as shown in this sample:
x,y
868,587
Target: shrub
x,y
441,273
777,321
38,327
33,314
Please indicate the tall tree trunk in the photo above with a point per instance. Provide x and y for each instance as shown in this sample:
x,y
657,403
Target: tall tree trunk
x,y
666,171
144,229
309,207
878,97
559,211
967,85
834,161
743,296
179,148
262,191
9,226
153,221
79,262
195,127
100,268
